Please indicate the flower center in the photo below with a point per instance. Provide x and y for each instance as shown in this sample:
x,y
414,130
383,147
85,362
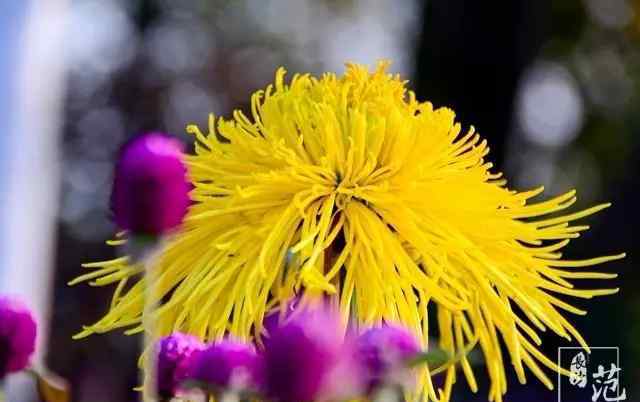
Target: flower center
x,y
345,191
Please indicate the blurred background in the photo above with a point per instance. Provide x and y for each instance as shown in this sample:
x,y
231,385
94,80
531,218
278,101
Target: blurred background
x,y
553,86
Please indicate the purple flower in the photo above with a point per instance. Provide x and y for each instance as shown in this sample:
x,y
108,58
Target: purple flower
x,y
384,352
173,352
150,188
279,314
307,358
226,365
17,336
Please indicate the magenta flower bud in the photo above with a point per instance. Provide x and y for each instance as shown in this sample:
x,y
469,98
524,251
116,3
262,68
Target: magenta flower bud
x,y
150,188
17,336
307,358
173,353
227,365
384,353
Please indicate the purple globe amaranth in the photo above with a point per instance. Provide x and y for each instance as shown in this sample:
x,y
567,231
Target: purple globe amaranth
x,y
279,314
150,188
17,336
226,365
307,358
384,352
173,353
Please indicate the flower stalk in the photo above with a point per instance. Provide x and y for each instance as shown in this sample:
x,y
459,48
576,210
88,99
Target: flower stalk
x,y
151,360
389,394
229,396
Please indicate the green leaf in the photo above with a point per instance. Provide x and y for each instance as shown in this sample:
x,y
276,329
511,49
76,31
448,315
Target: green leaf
x,y
436,357
439,360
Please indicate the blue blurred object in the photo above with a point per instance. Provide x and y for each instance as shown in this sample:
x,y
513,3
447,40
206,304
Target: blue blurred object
x,y
12,21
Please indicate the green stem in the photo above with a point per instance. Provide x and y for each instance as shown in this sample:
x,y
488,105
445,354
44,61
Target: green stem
x,y
2,398
230,396
389,394
148,373
150,331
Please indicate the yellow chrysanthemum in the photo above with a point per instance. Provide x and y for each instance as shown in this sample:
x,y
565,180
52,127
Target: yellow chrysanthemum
x,y
348,186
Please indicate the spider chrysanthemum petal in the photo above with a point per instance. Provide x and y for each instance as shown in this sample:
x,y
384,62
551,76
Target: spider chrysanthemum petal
x,y
348,186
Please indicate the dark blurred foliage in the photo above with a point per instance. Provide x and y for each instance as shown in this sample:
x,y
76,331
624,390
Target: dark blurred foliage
x,y
553,86
471,57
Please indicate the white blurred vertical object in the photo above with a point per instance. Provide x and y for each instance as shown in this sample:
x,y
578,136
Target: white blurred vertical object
x,y
32,169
